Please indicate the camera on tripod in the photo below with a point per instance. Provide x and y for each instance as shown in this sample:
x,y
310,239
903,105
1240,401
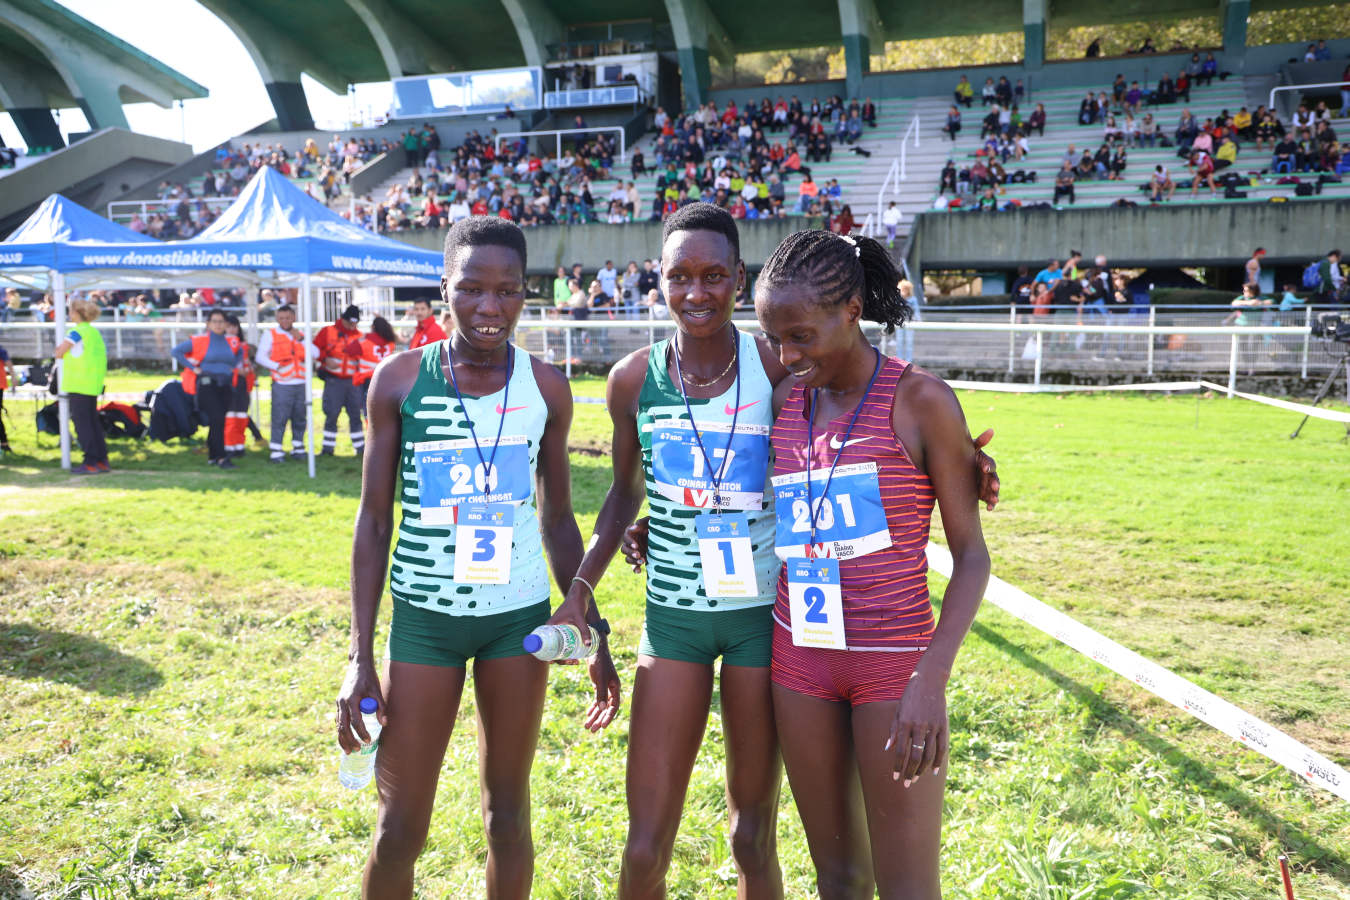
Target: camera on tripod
x,y
1332,327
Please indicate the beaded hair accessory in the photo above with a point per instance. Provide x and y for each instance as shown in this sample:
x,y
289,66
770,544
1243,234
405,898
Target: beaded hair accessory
x,y
853,242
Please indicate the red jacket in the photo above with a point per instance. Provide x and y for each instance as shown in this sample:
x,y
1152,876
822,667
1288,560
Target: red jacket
x,y
332,341
373,348
428,331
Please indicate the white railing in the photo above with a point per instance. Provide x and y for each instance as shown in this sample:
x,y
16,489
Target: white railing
x,y
892,184
1107,346
1300,87
904,142
558,135
868,228
601,96
121,211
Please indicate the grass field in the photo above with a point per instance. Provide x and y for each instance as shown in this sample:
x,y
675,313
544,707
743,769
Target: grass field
x,y
172,638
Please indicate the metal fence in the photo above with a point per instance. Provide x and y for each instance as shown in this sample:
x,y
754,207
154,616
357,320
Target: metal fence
x,y
1151,342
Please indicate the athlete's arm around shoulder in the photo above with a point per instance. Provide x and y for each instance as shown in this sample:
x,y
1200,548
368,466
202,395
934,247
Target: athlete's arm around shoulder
x,y
389,386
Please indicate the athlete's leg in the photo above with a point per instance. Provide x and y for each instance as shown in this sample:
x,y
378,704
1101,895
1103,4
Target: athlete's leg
x,y
754,776
421,702
670,711
905,823
817,746
510,692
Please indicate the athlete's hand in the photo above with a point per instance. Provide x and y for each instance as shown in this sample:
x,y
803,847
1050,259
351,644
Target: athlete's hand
x,y
919,735
573,612
634,544
361,681
607,697
986,472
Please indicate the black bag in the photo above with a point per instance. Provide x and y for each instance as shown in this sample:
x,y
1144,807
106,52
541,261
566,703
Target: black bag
x,y
39,374
1232,193
49,420
1303,190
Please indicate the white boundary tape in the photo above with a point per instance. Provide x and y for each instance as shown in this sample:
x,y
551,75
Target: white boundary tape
x,y
1001,387
1252,732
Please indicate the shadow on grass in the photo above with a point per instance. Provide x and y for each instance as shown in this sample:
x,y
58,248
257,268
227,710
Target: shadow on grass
x,y
1191,773
11,885
39,654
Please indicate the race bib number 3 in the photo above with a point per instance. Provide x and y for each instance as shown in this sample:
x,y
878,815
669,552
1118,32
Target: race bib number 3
x,y
850,521
451,474
483,543
728,564
816,603
682,473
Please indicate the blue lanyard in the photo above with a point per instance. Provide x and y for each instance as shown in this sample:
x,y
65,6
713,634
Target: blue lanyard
x,y
810,442
488,463
716,481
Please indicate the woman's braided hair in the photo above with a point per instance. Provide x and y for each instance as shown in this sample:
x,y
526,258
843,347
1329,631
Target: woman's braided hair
x,y
834,268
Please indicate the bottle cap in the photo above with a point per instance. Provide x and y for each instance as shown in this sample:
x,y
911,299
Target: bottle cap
x,y
533,643
369,705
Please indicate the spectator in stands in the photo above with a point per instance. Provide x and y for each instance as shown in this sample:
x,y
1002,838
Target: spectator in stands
x,y
1145,47
1093,51
869,112
1160,184
1284,160
1050,274
649,280
1087,109
1003,90
965,92
1331,281
1118,88
1209,70
1133,98
1226,154
1064,184
989,93
953,126
1201,166
947,179
608,278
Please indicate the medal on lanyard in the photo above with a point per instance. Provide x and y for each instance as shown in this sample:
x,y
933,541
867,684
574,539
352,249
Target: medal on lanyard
x,y
484,530
815,595
726,556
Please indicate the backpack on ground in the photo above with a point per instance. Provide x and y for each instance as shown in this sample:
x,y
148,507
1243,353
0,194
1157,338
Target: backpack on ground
x,y
1312,279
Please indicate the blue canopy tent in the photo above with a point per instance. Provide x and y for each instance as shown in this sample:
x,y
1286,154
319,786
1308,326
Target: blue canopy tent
x,y
277,233
30,257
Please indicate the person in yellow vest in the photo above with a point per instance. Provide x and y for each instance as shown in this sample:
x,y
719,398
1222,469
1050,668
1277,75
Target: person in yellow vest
x,y
84,364
337,365
209,363
282,352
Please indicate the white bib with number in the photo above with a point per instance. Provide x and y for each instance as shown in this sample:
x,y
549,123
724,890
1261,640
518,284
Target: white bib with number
x,y
483,543
451,474
849,522
728,562
816,603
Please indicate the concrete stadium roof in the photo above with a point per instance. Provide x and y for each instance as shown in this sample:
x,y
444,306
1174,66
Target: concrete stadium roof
x,y
50,58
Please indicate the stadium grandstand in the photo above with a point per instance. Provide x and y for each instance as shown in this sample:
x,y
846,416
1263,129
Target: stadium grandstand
x,y
564,116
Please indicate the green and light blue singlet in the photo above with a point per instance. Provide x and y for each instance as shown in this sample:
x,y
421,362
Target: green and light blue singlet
x,y
673,564
424,557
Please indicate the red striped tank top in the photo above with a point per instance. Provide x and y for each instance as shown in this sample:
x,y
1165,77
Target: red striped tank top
x,y
885,593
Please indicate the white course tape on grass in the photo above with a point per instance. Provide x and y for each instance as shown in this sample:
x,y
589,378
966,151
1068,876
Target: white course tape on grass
x,y
1001,387
1207,707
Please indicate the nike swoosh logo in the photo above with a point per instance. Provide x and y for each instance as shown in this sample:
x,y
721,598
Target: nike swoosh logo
x,y
836,445
509,409
733,410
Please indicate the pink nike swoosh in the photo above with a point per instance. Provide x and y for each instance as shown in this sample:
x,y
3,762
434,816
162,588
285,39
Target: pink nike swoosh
x,y
509,409
733,410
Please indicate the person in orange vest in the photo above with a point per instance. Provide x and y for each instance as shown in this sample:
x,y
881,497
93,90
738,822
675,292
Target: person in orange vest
x,y
337,366
428,330
282,351
209,362
6,373
372,349
237,420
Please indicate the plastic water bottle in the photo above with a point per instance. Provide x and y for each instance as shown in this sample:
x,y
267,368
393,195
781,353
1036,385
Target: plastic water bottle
x,y
356,769
550,642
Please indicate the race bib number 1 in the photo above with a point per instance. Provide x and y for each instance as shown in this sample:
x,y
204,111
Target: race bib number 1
x,y
483,543
728,563
816,603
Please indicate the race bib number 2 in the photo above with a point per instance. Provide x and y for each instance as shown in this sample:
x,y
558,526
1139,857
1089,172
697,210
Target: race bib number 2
x,y
483,543
816,603
451,474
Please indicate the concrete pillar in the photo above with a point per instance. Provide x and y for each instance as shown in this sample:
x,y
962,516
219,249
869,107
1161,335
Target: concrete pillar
x,y
536,26
405,47
860,26
697,34
1235,13
100,100
291,105
1033,32
37,127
